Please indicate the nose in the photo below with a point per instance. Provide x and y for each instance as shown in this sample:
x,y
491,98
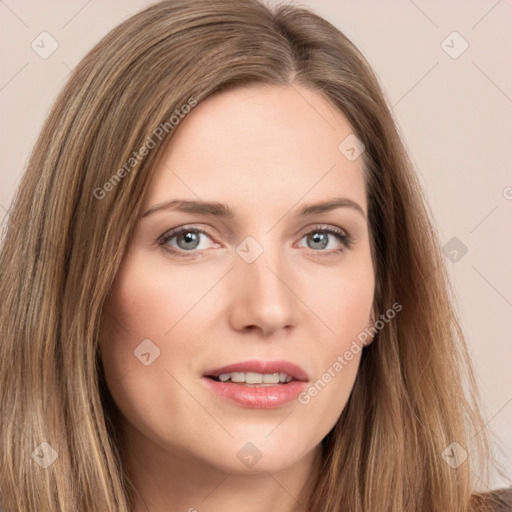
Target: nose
x,y
263,298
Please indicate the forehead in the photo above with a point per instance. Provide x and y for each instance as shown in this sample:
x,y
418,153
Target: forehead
x,y
258,146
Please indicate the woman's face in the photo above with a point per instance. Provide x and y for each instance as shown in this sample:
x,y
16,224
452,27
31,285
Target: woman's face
x,y
266,285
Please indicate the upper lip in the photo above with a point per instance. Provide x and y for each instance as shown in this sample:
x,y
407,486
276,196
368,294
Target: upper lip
x,y
263,367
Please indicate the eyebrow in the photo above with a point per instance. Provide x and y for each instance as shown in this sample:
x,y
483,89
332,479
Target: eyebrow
x,y
224,211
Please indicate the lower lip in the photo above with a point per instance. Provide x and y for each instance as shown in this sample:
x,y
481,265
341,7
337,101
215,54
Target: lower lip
x,y
257,397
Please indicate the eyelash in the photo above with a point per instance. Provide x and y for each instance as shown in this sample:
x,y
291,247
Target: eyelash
x,y
342,235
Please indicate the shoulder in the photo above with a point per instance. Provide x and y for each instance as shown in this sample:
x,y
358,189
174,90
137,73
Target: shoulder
x,y
499,500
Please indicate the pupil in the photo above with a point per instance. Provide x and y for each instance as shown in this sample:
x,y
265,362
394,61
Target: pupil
x,y
319,238
189,237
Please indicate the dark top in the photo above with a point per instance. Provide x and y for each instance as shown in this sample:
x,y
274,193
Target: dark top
x,y
499,500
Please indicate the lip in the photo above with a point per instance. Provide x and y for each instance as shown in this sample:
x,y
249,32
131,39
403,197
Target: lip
x,y
262,367
258,397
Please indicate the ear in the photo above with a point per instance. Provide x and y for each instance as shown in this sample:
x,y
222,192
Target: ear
x,y
374,315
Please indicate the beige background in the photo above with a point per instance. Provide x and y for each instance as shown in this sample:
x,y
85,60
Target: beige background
x,y
454,113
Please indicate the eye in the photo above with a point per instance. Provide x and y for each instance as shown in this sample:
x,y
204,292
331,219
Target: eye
x,y
321,237
185,239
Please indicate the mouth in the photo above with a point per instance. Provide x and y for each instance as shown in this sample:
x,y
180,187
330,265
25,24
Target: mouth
x,y
257,384
253,378
258,373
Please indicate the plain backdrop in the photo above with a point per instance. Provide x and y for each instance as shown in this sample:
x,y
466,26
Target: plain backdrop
x,y
445,69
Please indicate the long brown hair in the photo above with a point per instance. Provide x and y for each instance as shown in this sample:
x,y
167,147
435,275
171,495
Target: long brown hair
x,y
72,220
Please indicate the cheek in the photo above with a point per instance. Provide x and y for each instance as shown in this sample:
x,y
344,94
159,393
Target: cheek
x,y
148,312
343,304
133,318
144,317
147,302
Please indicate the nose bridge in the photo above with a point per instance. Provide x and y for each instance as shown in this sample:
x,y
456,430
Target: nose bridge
x,y
262,298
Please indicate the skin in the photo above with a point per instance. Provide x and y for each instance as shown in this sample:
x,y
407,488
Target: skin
x,y
265,151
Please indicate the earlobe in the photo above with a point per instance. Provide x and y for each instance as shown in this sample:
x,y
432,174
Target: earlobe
x,y
373,316
371,323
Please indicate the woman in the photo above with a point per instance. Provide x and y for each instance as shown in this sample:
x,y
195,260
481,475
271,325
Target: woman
x,y
222,288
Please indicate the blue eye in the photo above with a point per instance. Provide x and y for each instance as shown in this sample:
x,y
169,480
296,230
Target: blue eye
x,y
320,238
188,238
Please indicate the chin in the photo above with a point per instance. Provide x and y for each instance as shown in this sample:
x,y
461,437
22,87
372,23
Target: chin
x,y
260,454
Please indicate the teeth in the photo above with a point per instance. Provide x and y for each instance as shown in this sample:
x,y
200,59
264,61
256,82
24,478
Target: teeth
x,y
270,378
255,378
238,377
